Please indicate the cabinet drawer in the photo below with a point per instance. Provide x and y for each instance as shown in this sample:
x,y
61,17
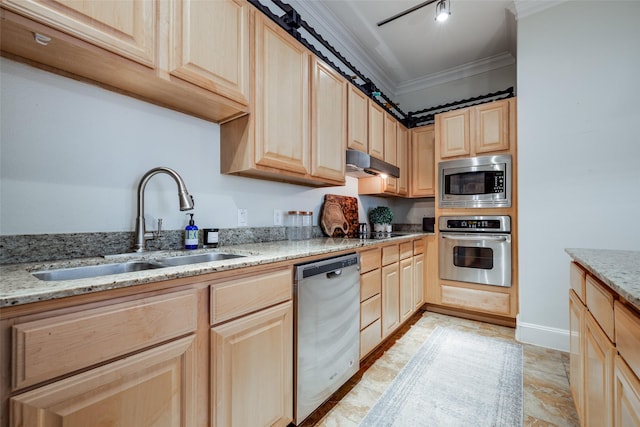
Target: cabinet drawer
x,y
600,304
370,337
370,260
628,336
487,301
370,284
577,278
370,311
46,348
390,254
248,294
418,246
406,250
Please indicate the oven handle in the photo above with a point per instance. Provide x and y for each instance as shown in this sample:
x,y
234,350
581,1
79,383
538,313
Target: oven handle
x,y
480,237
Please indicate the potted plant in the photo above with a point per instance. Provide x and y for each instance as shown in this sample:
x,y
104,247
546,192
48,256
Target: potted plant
x,y
381,217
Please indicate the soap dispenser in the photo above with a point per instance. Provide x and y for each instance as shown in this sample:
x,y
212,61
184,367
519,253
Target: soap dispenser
x,y
191,235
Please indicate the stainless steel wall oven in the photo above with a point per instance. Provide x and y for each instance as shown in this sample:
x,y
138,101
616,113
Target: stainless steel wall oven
x,y
475,249
476,182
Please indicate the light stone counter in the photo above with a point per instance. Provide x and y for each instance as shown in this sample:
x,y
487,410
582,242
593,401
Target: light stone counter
x,y
620,270
19,286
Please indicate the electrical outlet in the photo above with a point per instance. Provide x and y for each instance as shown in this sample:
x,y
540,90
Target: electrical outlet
x,y
278,217
243,219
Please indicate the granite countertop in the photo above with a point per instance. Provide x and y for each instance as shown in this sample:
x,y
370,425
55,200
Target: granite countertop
x,y
19,286
620,270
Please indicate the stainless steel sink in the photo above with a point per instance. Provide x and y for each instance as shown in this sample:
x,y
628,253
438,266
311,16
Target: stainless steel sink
x,y
94,270
196,258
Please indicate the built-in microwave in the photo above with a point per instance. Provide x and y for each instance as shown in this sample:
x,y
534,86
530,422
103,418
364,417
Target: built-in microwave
x,y
476,182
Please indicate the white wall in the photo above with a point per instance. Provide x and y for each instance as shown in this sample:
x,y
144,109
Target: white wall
x,y
72,155
579,150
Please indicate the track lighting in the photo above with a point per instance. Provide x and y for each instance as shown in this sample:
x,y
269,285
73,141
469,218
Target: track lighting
x,y
443,10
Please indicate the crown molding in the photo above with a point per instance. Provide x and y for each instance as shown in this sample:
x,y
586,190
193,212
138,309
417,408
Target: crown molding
x,y
326,23
524,8
462,71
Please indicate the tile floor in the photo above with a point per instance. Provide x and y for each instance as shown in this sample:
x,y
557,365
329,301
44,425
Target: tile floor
x,y
547,398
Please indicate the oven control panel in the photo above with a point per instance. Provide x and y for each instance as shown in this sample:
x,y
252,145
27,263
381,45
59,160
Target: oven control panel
x,y
498,223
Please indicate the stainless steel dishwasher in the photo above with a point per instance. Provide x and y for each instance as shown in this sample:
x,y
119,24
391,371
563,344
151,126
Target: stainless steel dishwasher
x,y
327,329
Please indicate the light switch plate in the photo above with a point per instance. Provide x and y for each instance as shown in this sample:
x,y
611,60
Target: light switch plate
x,y
243,219
278,217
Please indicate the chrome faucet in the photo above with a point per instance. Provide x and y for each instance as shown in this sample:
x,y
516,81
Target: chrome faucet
x,y
186,203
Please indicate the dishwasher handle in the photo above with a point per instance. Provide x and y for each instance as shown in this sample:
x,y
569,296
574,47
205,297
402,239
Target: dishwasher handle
x,y
334,274
331,267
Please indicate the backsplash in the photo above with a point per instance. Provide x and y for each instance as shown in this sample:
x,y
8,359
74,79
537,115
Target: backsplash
x,y
53,247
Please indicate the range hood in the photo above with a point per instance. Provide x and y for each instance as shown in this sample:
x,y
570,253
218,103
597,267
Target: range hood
x,y
362,165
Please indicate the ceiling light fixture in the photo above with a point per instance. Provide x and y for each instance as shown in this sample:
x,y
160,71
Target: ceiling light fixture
x,y
443,5
443,10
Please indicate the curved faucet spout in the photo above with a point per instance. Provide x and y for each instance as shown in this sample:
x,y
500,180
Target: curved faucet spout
x,y
185,199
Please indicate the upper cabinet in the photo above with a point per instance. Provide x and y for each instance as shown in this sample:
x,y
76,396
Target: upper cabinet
x,y
328,122
191,56
422,183
472,131
296,130
127,28
376,130
402,136
210,45
358,126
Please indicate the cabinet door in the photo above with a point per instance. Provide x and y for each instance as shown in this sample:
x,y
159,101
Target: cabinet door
x,y
281,99
431,286
598,370
576,352
453,133
376,130
491,127
358,127
403,160
152,388
406,289
328,122
390,298
126,27
390,151
422,162
418,281
209,45
252,364
626,407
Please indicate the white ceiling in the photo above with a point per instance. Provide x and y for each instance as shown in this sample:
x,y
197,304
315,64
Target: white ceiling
x,y
415,51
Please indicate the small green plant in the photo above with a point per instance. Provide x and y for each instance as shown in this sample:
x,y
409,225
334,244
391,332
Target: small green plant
x,y
380,215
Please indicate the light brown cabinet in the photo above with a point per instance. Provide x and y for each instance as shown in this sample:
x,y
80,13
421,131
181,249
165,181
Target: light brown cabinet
x,y
328,123
422,183
403,160
370,300
603,371
376,130
358,127
390,298
149,49
293,116
407,305
127,28
221,64
253,362
123,363
478,130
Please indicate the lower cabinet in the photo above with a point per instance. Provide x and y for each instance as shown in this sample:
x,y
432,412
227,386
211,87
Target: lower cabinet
x,y
390,299
152,388
406,289
252,369
603,373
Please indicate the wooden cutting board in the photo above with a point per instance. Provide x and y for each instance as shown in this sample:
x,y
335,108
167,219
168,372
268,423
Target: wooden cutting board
x,y
339,216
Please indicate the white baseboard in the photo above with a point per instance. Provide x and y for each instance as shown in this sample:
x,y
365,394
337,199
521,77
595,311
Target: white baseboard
x,y
543,336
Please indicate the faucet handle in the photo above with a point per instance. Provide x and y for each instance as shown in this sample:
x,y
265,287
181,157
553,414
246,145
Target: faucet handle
x,y
156,233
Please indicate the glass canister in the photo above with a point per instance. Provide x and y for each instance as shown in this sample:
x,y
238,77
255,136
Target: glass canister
x,y
307,224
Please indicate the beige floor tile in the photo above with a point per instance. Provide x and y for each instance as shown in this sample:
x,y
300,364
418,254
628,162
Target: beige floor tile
x,y
547,399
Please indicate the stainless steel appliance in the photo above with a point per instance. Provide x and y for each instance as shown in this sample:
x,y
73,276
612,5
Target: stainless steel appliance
x,y
327,329
477,182
475,249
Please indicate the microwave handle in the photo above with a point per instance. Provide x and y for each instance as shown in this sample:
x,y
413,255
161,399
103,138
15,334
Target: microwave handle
x,y
480,237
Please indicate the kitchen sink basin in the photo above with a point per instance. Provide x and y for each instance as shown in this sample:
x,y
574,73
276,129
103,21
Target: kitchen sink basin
x,y
94,270
195,259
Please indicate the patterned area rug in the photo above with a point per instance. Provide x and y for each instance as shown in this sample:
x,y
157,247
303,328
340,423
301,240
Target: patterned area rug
x,y
455,379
